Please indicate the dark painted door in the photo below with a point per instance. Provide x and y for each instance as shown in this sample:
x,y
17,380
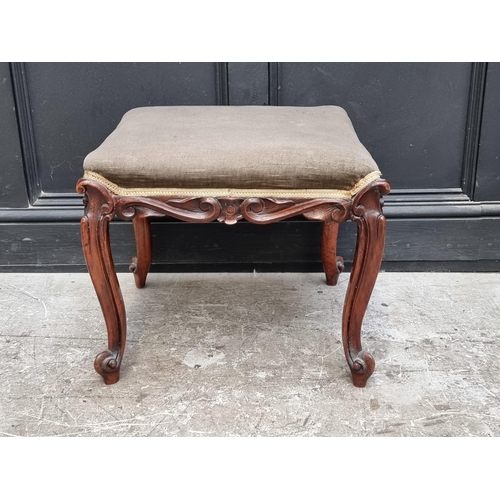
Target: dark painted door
x,y
433,128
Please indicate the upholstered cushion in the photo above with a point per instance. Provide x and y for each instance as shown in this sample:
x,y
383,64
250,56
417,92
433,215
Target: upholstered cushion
x,y
234,147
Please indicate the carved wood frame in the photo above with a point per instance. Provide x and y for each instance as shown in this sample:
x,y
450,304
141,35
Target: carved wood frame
x,y
365,208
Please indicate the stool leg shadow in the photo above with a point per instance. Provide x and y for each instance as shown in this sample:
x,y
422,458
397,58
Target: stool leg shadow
x,y
99,211
333,265
366,211
141,263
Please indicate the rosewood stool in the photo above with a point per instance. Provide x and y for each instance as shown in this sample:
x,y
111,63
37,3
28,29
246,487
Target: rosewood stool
x,y
226,163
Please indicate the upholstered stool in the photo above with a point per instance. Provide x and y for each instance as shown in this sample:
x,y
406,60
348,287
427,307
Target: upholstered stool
x,y
226,163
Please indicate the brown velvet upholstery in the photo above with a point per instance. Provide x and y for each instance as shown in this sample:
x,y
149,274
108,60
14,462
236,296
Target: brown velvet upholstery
x,y
250,147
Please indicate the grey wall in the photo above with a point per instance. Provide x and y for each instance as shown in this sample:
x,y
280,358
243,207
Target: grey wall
x,y
433,128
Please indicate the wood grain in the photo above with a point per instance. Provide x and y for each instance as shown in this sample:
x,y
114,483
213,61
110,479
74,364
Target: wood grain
x,y
141,263
101,207
333,265
99,211
367,212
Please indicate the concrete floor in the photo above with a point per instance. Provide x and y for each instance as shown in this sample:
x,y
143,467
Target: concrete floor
x,y
251,355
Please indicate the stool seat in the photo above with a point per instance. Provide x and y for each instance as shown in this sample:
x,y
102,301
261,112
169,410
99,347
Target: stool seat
x,y
238,150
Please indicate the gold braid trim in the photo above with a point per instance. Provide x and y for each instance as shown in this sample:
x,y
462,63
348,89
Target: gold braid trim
x,y
234,193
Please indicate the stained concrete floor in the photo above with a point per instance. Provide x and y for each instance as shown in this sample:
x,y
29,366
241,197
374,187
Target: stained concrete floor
x,y
251,355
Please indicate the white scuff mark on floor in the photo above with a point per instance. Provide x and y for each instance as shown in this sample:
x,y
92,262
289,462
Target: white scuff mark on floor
x,y
281,354
31,296
201,358
314,312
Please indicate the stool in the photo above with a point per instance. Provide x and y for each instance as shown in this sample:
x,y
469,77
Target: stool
x,y
227,163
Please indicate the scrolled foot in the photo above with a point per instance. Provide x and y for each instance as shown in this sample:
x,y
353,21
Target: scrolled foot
x,y
107,365
332,277
332,274
140,278
333,265
362,367
140,264
340,264
133,264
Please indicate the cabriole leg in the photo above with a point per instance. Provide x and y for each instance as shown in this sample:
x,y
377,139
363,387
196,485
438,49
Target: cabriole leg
x,y
367,212
99,211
